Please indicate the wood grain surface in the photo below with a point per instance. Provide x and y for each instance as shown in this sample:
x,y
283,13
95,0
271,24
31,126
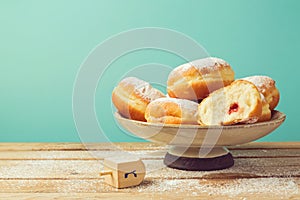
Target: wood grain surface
x,y
70,171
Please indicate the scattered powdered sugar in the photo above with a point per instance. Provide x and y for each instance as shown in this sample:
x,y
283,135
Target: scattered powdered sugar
x,y
82,186
57,186
284,187
81,178
275,187
50,169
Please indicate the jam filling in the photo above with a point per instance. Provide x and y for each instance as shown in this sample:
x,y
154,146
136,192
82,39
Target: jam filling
x,y
233,108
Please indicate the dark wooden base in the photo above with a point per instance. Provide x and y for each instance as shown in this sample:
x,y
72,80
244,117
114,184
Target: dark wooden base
x,y
199,164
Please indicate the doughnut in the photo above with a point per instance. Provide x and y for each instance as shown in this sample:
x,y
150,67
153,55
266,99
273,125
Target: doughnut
x,y
197,79
172,111
266,86
131,97
240,102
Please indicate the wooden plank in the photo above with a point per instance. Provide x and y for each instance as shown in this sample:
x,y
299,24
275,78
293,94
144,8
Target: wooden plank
x,y
65,169
78,155
268,145
128,146
243,168
78,146
144,154
259,187
265,153
138,196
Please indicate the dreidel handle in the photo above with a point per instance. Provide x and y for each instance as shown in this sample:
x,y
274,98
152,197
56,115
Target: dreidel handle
x,y
104,173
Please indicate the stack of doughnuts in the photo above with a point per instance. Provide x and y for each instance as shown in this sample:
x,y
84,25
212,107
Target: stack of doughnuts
x,y
200,92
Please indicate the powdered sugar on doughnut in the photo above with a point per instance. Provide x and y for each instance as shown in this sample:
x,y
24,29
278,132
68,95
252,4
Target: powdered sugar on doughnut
x,y
260,81
205,65
188,106
142,88
172,111
148,92
132,81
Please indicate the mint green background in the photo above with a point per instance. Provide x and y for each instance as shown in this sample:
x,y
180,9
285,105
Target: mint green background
x,y
43,43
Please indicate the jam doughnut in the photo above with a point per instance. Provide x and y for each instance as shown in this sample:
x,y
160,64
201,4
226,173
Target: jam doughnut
x,y
240,102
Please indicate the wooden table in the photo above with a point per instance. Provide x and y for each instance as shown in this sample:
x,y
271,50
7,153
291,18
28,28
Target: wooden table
x,y
67,170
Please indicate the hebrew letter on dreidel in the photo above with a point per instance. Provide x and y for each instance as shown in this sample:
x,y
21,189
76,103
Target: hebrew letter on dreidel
x,y
133,172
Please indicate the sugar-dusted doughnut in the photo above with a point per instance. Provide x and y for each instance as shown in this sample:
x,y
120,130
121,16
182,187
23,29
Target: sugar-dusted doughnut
x,y
131,97
172,111
197,79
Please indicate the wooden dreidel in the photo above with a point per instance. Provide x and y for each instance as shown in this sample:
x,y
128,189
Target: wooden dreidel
x,y
121,172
